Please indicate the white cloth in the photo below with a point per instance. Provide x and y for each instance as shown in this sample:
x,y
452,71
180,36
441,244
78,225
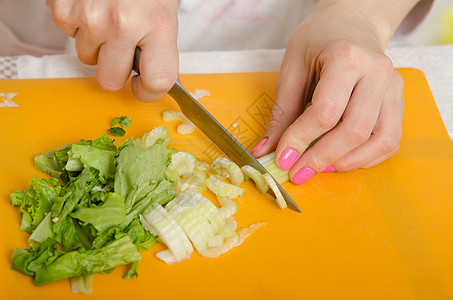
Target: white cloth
x,y
26,26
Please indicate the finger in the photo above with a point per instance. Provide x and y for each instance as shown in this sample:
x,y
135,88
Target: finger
x,y
328,104
358,121
385,139
87,45
289,102
158,67
63,16
114,64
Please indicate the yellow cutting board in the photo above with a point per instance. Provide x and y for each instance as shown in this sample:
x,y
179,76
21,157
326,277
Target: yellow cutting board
x,y
380,233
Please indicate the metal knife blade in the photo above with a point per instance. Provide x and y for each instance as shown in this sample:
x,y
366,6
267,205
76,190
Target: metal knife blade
x,y
215,131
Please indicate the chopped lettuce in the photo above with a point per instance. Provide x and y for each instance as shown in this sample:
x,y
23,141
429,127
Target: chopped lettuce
x,y
123,121
48,264
109,214
85,218
140,170
117,131
102,205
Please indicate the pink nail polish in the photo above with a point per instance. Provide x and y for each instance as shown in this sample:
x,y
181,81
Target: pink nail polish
x,y
288,159
260,144
329,169
303,176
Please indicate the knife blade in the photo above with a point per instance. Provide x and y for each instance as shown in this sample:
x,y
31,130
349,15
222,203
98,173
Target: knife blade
x,y
215,131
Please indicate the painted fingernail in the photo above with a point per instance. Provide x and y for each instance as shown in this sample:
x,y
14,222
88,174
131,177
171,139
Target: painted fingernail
x,y
287,159
260,144
303,176
329,169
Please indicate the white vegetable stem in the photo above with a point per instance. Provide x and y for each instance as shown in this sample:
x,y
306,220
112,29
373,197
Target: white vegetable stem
x,y
186,127
268,162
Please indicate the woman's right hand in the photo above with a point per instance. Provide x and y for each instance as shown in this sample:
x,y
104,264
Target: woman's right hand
x,y
106,33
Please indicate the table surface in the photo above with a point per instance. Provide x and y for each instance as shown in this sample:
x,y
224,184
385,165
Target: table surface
x,y
436,62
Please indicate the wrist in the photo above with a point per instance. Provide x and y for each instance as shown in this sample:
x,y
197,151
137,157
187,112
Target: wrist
x,y
379,18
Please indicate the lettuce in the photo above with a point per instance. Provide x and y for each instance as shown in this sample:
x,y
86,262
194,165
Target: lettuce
x,y
140,170
48,264
84,219
121,251
109,214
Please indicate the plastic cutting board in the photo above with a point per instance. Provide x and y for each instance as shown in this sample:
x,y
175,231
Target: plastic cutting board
x,y
380,233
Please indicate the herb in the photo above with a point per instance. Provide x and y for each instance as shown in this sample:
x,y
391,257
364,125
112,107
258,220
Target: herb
x,y
123,121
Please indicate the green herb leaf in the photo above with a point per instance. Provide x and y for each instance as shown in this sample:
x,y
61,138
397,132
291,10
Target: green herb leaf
x,y
123,121
117,131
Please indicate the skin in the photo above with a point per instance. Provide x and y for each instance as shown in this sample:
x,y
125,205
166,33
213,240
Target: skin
x,y
106,33
334,60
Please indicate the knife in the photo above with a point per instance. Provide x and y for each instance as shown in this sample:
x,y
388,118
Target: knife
x,y
198,115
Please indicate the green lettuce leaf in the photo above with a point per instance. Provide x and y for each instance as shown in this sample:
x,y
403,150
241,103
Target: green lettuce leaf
x,y
119,252
123,121
140,170
87,156
109,214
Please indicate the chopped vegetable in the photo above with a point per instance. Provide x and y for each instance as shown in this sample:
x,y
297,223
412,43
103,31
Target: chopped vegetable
x,y
123,121
278,195
222,188
221,164
186,127
104,204
183,162
229,207
202,166
260,182
196,182
161,223
116,131
153,136
82,284
268,162
93,213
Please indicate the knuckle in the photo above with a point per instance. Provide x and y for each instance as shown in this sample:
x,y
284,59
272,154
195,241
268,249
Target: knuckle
x,y
345,54
327,116
59,14
359,131
296,138
320,160
383,65
390,143
164,21
89,18
274,125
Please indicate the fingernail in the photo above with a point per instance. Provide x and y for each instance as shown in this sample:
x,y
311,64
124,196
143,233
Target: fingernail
x,y
260,144
329,169
303,176
287,159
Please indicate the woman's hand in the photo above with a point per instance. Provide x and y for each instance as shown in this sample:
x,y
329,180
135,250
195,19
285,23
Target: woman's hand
x,y
335,61
106,33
